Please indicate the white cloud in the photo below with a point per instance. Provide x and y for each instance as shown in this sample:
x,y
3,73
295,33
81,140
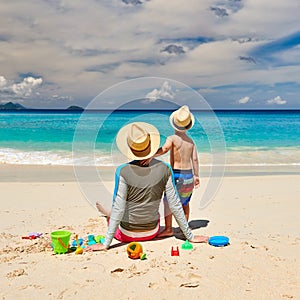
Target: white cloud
x,y
256,19
59,97
130,39
24,88
21,89
277,100
165,92
3,82
244,100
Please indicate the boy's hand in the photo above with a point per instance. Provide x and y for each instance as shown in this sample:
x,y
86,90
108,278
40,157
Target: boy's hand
x,y
146,162
196,181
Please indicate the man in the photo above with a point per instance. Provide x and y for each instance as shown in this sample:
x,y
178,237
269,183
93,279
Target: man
x,y
139,189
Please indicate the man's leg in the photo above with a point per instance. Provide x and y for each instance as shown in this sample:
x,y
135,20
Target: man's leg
x,y
168,231
105,212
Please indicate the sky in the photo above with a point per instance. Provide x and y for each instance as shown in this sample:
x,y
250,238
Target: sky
x,y
237,54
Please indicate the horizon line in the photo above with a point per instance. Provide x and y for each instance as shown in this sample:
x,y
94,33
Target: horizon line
x,y
142,109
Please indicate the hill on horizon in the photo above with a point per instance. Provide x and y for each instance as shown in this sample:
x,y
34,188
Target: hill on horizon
x,y
11,106
18,106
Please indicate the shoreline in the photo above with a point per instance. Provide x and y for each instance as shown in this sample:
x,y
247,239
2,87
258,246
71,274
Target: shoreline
x,y
58,173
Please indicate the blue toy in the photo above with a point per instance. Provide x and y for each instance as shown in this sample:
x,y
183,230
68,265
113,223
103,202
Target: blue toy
x,y
218,241
74,243
91,240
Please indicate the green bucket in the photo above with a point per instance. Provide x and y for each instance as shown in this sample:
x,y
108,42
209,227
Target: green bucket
x,y
60,241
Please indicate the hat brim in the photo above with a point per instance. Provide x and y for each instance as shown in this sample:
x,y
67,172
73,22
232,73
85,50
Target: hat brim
x,y
181,128
122,135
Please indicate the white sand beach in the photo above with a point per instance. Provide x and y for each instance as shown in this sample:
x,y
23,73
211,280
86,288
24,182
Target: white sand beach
x,y
259,213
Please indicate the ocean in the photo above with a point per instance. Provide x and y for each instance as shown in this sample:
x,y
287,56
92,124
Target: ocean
x,y
246,138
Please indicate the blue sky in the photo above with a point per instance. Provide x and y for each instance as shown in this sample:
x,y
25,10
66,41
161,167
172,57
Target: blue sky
x,y
242,54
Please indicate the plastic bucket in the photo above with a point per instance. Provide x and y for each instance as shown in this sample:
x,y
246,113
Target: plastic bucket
x,y
60,241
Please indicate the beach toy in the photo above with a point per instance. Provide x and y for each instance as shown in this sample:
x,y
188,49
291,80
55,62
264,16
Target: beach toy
x,y
35,234
78,250
187,245
29,237
91,240
174,252
218,241
74,243
32,236
100,239
135,251
60,241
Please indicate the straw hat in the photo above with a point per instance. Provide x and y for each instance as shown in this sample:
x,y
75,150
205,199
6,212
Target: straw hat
x,y
138,140
182,119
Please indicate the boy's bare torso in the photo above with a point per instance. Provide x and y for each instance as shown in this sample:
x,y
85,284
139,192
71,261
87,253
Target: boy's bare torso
x,y
181,152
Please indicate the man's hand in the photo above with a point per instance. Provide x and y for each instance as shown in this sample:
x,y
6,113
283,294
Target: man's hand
x,y
95,247
200,239
196,181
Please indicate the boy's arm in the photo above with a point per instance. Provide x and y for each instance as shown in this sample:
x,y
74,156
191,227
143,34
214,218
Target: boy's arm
x,y
195,163
162,150
165,148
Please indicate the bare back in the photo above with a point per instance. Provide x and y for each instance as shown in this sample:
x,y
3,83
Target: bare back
x,y
182,151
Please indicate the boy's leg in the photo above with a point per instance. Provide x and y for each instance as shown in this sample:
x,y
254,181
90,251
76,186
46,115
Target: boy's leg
x,y
168,231
185,184
186,209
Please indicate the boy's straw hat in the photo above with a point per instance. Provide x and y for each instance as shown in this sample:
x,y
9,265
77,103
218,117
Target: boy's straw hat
x,y
138,140
182,119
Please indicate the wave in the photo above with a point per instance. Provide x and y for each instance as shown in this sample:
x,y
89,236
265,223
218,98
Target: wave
x,y
261,148
275,157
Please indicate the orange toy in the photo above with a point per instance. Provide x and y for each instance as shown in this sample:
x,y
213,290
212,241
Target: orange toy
x,y
135,251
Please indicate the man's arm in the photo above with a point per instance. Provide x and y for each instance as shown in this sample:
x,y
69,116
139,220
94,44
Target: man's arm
x,y
176,209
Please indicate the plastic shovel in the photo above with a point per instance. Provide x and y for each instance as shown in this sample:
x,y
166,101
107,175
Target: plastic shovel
x,y
78,250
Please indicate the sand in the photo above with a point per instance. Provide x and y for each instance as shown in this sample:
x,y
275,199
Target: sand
x,y
258,212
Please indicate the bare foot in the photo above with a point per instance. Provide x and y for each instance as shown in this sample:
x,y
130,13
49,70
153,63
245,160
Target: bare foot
x,y
200,239
166,233
95,247
102,210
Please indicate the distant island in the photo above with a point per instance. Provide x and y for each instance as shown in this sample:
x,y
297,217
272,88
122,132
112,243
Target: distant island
x,y
11,106
75,107
136,105
17,106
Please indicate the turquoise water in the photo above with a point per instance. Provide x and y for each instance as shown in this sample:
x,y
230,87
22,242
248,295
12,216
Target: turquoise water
x,y
250,137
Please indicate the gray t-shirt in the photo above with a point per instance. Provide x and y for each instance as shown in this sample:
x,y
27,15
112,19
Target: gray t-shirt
x,y
137,196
